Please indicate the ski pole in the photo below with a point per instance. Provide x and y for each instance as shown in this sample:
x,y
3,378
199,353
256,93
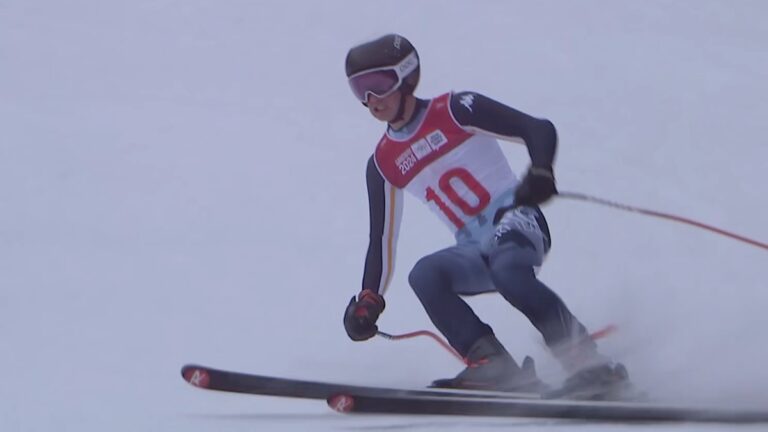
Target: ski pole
x,y
599,334
427,333
589,198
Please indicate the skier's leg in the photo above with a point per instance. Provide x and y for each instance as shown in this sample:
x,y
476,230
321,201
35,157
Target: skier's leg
x,y
521,240
438,279
520,243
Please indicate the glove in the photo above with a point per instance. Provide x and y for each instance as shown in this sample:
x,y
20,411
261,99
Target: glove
x,y
361,315
537,186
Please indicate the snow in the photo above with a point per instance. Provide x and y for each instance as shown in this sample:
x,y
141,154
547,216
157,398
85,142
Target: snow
x,y
182,181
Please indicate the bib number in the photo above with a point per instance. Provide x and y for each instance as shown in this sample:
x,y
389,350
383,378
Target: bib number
x,y
447,184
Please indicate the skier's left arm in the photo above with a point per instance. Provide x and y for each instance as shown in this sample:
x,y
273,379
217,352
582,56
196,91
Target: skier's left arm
x,y
481,114
385,212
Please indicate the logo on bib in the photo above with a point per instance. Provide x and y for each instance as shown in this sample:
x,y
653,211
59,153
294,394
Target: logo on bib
x,y
421,148
436,139
406,161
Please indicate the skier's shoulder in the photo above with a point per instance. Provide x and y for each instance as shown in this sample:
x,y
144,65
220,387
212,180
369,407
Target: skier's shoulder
x,y
372,171
371,164
447,103
467,104
477,110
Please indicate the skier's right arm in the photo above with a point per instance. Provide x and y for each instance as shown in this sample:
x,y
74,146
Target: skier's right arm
x,y
385,210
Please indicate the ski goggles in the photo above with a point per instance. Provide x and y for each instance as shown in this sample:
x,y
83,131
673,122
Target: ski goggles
x,y
382,82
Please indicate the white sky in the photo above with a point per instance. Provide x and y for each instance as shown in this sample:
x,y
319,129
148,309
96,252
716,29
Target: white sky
x,y
182,181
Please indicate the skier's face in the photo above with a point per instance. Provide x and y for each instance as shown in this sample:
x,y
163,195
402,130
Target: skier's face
x,y
384,109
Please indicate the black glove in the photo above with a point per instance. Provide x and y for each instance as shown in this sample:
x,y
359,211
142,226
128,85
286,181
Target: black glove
x,y
361,315
537,186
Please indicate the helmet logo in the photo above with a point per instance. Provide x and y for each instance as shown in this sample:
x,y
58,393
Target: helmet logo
x,y
397,41
408,64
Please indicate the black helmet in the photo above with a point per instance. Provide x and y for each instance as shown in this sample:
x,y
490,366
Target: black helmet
x,y
388,50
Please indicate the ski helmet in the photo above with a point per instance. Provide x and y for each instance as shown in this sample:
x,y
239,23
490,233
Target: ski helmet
x,y
389,51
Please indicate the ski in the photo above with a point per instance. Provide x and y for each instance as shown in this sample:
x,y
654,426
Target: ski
x,y
541,408
237,382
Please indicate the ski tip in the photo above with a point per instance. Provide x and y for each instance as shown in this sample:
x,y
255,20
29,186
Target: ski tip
x,y
342,403
196,375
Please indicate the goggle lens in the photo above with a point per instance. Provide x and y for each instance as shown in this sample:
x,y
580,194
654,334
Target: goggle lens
x,y
379,83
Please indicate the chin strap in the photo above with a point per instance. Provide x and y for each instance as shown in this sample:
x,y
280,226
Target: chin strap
x,y
400,108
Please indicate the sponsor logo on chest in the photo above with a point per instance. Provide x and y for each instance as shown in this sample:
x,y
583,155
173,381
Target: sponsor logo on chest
x,y
419,150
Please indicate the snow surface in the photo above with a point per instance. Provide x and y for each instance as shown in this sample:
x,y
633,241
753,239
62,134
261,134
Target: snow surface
x,y
183,181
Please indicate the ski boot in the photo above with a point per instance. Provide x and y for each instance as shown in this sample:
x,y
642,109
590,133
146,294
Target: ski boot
x,y
607,382
594,376
491,367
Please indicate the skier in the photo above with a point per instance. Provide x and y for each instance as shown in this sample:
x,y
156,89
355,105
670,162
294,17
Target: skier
x,y
445,152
